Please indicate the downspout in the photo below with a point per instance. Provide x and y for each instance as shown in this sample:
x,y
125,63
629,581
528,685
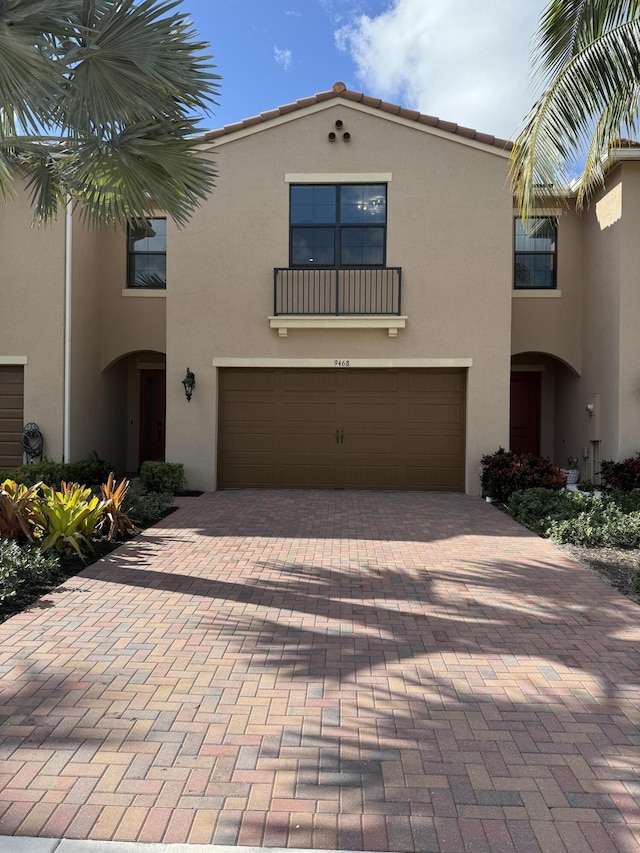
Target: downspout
x,y
68,245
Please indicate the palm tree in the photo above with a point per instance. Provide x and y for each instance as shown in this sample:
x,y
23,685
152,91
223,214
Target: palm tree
x,y
98,102
587,55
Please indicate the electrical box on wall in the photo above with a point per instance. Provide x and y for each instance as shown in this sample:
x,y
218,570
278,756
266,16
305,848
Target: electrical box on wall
x,y
594,412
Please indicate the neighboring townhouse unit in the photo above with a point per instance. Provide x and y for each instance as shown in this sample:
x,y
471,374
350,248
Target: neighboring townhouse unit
x,y
357,301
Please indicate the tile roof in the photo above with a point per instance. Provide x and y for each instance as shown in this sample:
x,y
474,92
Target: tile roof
x,y
339,90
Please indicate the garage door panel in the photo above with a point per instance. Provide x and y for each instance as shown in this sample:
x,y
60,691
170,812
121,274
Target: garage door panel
x,y
435,479
371,476
380,443
397,429
11,414
248,380
249,442
370,382
310,412
308,381
247,476
425,413
243,411
369,412
436,381
309,476
308,442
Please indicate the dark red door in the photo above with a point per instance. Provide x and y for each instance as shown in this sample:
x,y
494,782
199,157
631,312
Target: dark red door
x,y
152,415
526,408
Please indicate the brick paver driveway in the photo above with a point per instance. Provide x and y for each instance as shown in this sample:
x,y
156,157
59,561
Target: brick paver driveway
x,y
378,671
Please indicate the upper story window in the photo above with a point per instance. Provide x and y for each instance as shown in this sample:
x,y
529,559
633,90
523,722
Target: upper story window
x,y
536,253
338,225
148,254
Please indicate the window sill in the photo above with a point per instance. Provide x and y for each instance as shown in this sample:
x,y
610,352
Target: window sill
x,y
391,323
536,294
144,291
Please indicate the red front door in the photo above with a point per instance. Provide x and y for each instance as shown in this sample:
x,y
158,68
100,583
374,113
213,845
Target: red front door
x,y
152,415
526,408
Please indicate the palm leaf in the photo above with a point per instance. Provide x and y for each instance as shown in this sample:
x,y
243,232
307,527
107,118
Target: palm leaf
x,y
592,99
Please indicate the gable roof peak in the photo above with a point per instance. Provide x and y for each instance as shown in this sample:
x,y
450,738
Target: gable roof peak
x,y
340,91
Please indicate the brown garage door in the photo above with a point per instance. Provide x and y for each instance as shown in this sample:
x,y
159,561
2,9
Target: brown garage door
x,y
343,428
11,415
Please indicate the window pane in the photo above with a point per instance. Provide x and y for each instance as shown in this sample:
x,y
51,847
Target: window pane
x,y
313,205
148,270
312,246
364,203
141,240
535,271
541,236
362,246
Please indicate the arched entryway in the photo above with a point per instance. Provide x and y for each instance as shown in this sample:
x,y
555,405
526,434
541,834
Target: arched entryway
x,y
544,408
142,386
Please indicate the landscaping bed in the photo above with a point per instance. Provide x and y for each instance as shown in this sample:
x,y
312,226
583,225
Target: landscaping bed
x,y
50,533
617,566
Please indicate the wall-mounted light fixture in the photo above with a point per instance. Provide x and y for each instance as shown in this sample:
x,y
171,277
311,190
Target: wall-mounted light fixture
x,y
591,409
189,382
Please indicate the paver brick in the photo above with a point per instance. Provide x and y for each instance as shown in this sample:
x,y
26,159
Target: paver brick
x,y
381,671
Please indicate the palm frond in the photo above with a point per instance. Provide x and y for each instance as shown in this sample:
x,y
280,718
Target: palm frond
x,y
135,61
145,167
596,88
568,26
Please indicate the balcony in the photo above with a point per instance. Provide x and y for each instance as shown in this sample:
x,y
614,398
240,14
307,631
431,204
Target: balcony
x,y
337,292
305,298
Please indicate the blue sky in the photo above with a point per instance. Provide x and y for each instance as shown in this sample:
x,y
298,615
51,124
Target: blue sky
x,y
461,60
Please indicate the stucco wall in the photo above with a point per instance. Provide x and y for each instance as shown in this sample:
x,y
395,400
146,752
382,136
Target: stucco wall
x,y
32,311
449,225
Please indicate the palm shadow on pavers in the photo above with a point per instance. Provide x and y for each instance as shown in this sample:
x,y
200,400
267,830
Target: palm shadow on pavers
x,y
348,694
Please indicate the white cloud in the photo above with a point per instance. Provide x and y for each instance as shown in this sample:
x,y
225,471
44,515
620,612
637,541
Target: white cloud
x,y
292,13
284,58
461,60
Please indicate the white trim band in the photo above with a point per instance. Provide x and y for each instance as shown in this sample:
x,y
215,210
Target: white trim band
x,y
353,362
391,323
13,359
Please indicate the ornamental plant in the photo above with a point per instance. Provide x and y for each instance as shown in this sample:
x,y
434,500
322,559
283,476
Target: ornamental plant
x,y
505,472
17,507
623,475
68,517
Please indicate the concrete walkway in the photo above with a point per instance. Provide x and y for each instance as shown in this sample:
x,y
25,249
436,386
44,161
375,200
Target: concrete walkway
x,y
354,670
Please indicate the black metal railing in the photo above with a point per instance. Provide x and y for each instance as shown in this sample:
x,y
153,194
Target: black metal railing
x,y
337,291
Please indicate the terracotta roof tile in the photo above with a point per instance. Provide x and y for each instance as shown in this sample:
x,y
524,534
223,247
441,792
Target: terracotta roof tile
x,y
339,90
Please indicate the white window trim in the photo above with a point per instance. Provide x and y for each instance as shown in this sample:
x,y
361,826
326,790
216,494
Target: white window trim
x,y
533,293
338,178
143,291
13,359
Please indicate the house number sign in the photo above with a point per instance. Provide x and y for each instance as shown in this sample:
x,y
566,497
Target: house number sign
x,y
341,362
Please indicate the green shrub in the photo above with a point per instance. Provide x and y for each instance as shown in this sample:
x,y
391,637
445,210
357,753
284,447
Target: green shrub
x,y
145,508
603,524
21,564
538,508
504,473
162,476
88,472
623,475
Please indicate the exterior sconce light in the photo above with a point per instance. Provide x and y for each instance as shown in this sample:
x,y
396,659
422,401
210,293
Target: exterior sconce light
x,y
591,409
189,382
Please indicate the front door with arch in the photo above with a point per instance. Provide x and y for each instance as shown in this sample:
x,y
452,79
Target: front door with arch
x,y
152,415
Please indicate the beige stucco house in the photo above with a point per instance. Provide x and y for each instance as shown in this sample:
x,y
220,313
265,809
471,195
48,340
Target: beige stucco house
x,y
357,301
